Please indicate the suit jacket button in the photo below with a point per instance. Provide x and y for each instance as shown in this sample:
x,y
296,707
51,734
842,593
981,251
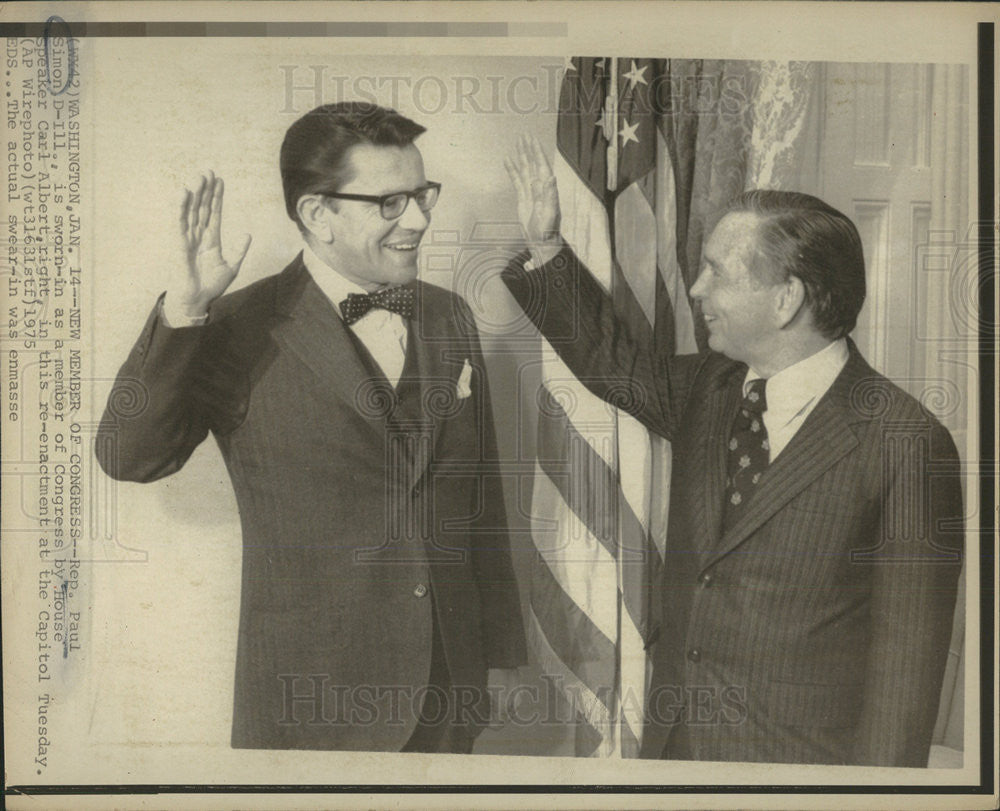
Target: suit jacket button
x,y
694,655
420,590
706,580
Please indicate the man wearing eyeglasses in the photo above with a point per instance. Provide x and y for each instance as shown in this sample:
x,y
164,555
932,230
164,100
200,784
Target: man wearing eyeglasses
x,y
351,405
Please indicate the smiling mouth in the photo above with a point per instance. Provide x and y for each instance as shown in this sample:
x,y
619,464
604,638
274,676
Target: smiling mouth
x,y
402,247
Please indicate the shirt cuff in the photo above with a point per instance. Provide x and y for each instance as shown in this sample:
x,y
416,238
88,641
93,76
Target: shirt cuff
x,y
545,253
178,321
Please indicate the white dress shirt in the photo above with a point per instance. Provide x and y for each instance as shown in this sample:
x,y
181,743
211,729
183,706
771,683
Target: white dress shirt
x,y
383,333
793,393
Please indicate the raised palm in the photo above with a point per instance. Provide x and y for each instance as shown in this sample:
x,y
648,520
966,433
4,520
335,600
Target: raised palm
x,y
537,195
203,274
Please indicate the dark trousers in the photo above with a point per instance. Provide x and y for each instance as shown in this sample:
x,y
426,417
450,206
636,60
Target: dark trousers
x,y
438,731
678,745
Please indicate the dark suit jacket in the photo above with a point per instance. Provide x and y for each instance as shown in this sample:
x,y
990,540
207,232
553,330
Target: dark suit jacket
x,y
815,629
361,506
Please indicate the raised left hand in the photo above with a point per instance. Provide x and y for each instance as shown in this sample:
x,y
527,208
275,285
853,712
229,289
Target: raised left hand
x,y
537,197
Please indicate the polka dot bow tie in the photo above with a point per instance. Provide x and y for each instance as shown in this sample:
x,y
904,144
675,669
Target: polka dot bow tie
x,y
749,451
394,299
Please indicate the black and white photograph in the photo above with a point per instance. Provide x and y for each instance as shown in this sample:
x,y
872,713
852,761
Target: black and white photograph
x,y
542,404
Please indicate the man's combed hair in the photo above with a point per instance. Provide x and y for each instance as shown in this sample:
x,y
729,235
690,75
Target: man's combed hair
x,y
313,154
800,235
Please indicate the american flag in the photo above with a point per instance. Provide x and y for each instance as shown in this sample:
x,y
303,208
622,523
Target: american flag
x,y
602,481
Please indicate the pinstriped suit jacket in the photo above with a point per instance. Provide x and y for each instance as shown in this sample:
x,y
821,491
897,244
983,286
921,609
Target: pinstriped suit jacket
x,y
353,498
816,629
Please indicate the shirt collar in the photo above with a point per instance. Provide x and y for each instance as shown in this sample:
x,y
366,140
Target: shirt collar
x,y
795,387
334,286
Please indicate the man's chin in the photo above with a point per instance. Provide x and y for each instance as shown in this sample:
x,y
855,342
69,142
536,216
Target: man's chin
x,y
400,275
401,266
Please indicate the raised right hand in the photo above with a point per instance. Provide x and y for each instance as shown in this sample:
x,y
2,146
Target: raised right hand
x,y
201,274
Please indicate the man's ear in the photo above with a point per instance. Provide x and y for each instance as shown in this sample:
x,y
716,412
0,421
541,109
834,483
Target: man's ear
x,y
791,300
315,216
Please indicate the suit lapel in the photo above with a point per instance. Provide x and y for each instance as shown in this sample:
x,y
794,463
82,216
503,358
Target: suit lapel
x,y
822,440
429,373
311,329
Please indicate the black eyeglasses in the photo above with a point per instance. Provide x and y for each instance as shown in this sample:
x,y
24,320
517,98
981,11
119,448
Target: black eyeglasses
x,y
393,205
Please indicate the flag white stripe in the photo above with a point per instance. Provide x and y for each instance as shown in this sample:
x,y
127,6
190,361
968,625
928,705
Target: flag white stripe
x,y
591,416
634,447
635,246
584,221
578,561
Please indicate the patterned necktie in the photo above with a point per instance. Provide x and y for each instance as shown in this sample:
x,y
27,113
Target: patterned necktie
x,y
394,299
749,452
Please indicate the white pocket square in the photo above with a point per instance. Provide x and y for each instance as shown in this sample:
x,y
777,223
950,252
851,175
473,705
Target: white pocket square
x,y
462,388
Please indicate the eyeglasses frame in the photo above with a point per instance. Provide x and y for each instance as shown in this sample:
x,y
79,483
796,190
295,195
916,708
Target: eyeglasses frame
x,y
381,198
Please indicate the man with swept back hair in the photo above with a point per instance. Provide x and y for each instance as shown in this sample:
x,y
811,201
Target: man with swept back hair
x,y
351,407
815,533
